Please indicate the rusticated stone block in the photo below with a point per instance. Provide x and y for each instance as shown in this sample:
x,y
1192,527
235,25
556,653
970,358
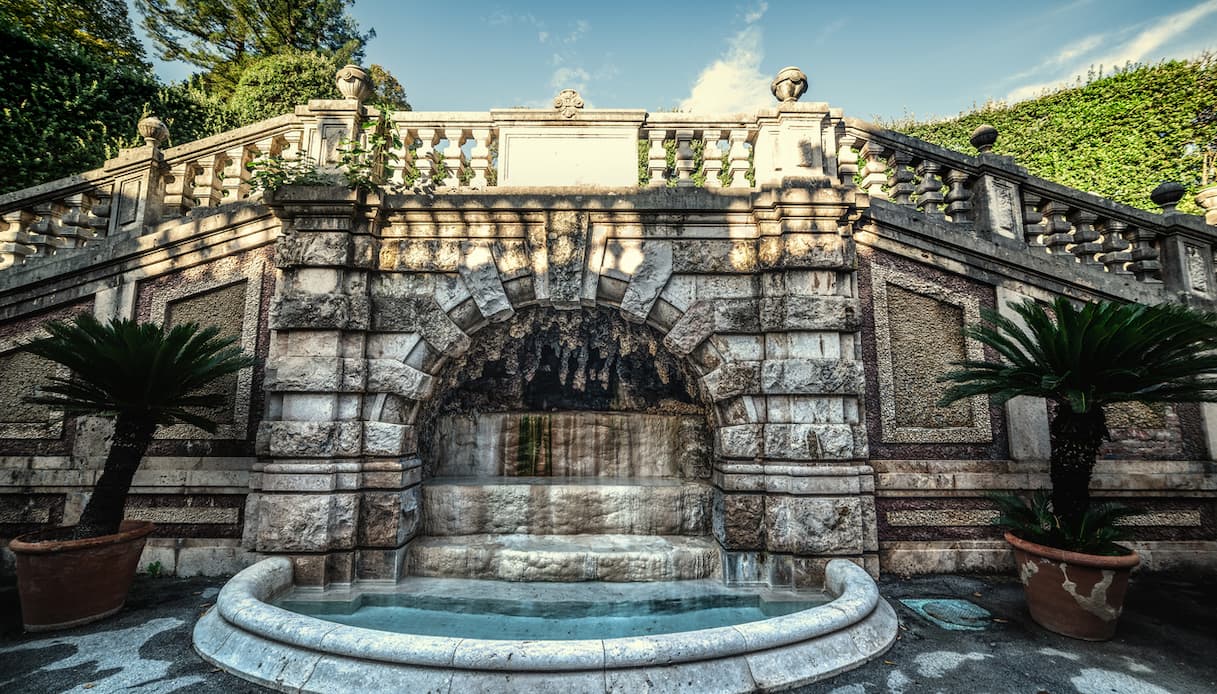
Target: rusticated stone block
x,y
809,313
807,250
814,525
304,374
740,441
311,439
648,281
809,441
481,276
693,328
313,248
739,520
566,244
388,519
714,256
422,255
423,316
811,376
392,376
319,311
383,438
736,316
733,379
306,522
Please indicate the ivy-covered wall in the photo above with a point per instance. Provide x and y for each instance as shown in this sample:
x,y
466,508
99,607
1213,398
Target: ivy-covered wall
x,y
1118,136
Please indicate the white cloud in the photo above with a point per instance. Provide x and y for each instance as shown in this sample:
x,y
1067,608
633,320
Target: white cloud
x,y
753,15
734,82
570,78
542,36
1139,46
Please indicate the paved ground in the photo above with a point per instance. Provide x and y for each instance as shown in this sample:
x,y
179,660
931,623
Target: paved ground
x,y
1167,643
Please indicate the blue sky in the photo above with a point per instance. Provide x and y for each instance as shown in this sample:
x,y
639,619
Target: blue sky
x,y
875,58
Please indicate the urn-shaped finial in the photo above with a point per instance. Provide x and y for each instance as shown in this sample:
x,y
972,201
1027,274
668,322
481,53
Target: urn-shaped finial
x,y
789,85
1167,195
153,131
353,83
983,138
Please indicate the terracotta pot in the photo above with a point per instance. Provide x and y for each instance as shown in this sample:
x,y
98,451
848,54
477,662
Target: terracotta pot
x,y
1073,594
65,583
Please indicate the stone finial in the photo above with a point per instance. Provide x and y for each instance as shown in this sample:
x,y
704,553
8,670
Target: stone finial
x,y
353,83
1167,195
789,85
153,130
568,102
983,138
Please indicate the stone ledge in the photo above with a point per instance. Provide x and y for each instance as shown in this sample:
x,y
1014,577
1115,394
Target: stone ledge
x,y
249,638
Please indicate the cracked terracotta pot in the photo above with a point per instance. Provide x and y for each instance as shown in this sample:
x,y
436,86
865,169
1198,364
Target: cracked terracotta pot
x,y
1073,594
66,583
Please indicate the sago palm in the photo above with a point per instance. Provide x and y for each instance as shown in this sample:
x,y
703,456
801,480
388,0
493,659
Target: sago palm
x,y
1082,358
142,375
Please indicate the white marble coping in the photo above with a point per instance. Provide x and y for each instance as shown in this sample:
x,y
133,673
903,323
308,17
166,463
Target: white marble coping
x,y
242,603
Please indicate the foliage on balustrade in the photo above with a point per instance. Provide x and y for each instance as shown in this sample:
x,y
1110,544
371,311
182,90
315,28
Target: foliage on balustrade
x,y
1117,135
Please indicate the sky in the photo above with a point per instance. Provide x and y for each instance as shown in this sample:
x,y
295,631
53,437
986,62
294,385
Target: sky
x,y
876,60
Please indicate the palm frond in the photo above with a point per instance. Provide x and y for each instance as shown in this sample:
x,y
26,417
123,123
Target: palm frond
x,y
1087,356
138,369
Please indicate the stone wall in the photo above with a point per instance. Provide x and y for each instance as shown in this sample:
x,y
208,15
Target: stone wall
x,y
800,319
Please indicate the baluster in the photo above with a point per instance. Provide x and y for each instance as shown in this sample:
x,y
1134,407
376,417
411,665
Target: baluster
x,y
1144,253
1057,228
45,234
479,157
209,184
657,157
15,238
1033,220
929,191
959,197
234,178
454,158
1085,237
424,156
179,189
99,216
847,160
76,230
1115,249
874,176
900,177
712,157
395,169
737,159
684,157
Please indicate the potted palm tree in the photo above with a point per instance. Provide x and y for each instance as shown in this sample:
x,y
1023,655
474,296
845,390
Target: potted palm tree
x,y
143,376
1081,358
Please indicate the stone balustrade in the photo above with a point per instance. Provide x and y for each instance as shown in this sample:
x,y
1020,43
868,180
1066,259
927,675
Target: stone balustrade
x,y
985,195
992,197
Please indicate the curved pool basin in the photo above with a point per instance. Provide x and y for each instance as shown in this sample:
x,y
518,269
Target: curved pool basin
x,y
248,636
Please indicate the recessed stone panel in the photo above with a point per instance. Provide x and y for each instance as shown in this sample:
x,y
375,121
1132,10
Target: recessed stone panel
x,y
919,333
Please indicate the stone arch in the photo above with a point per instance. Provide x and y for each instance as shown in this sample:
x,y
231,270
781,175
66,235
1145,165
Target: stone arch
x,y
481,293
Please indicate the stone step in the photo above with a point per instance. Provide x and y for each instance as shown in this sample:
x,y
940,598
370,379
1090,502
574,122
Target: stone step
x,y
566,558
566,506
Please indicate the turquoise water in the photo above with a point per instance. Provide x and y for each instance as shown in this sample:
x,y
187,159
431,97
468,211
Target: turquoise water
x,y
543,620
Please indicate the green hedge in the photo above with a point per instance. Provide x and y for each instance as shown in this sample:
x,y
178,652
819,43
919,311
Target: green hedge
x,y
63,109
1118,136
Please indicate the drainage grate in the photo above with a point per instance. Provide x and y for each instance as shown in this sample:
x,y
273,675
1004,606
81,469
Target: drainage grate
x,y
950,613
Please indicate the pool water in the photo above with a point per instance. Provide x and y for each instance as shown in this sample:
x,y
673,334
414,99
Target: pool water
x,y
493,618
